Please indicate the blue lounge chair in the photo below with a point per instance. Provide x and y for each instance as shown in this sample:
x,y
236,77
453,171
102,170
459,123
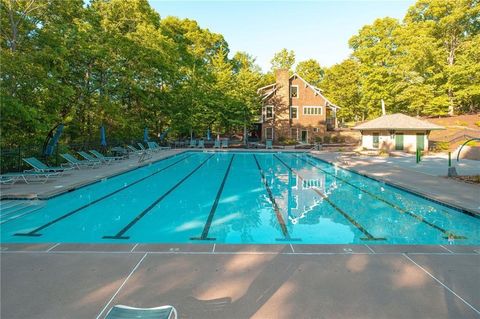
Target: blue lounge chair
x,y
193,143
225,143
90,158
39,166
152,147
134,150
216,144
161,147
104,158
201,144
126,312
75,162
268,144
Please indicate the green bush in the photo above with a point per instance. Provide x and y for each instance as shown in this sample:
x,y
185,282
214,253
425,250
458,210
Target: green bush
x,y
326,139
477,123
318,139
441,146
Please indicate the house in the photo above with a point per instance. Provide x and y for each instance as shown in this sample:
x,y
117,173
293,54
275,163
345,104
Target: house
x,y
396,132
294,109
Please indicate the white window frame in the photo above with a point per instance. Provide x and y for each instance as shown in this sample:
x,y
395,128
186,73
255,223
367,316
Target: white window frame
x,y
266,112
315,130
298,92
310,109
293,107
266,135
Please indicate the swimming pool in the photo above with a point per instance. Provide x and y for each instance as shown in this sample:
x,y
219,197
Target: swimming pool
x,y
241,198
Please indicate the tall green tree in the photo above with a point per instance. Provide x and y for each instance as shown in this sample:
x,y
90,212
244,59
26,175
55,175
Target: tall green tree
x,y
311,71
283,59
343,86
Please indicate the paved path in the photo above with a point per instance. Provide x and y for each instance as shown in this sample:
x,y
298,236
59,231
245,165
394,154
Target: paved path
x,y
458,194
242,281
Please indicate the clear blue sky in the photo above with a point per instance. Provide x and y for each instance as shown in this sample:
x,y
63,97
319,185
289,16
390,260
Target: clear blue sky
x,y
313,29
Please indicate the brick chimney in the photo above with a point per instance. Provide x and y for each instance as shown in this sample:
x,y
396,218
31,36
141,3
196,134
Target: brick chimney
x,y
282,79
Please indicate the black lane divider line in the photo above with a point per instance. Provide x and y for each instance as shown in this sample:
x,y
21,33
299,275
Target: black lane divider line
x,y
338,209
206,228
398,208
119,235
34,233
280,219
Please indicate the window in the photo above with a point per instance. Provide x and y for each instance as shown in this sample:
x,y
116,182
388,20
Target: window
x,y
376,140
269,133
294,133
294,91
269,111
315,129
294,112
312,110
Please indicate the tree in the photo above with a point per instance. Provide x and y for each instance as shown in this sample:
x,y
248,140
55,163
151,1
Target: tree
x,y
311,71
283,59
342,85
453,23
375,47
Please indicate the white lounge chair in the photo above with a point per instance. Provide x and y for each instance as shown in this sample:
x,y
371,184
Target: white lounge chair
x,y
269,144
126,312
225,143
216,144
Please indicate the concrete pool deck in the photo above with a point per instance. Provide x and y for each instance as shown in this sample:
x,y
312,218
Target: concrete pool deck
x,y
60,280
242,281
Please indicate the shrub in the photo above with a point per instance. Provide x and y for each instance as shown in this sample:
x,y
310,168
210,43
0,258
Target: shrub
x,y
281,139
441,146
472,143
318,139
326,139
334,139
477,123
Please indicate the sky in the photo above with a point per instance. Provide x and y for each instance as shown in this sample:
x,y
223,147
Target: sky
x,y
313,29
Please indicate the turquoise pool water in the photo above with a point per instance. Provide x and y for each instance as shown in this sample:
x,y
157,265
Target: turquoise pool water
x,y
237,197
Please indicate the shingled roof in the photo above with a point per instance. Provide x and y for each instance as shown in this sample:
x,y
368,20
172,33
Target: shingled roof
x,y
397,122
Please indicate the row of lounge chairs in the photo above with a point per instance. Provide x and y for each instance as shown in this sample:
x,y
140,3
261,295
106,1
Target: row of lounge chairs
x,y
201,144
41,173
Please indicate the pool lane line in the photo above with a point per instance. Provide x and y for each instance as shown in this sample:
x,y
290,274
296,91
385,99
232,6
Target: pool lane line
x,y
280,219
119,235
34,233
206,228
396,207
338,209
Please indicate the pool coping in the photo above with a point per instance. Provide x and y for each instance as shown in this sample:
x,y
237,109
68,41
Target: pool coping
x,y
229,249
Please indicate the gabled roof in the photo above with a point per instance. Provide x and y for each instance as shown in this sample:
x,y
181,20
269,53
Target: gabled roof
x,y
315,90
397,121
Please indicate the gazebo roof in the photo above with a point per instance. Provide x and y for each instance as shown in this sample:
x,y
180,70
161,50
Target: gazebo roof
x,y
397,121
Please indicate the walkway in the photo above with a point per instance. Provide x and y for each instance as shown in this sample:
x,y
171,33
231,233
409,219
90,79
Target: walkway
x,y
242,281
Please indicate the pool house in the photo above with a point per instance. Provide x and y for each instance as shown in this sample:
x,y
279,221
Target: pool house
x,y
396,132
